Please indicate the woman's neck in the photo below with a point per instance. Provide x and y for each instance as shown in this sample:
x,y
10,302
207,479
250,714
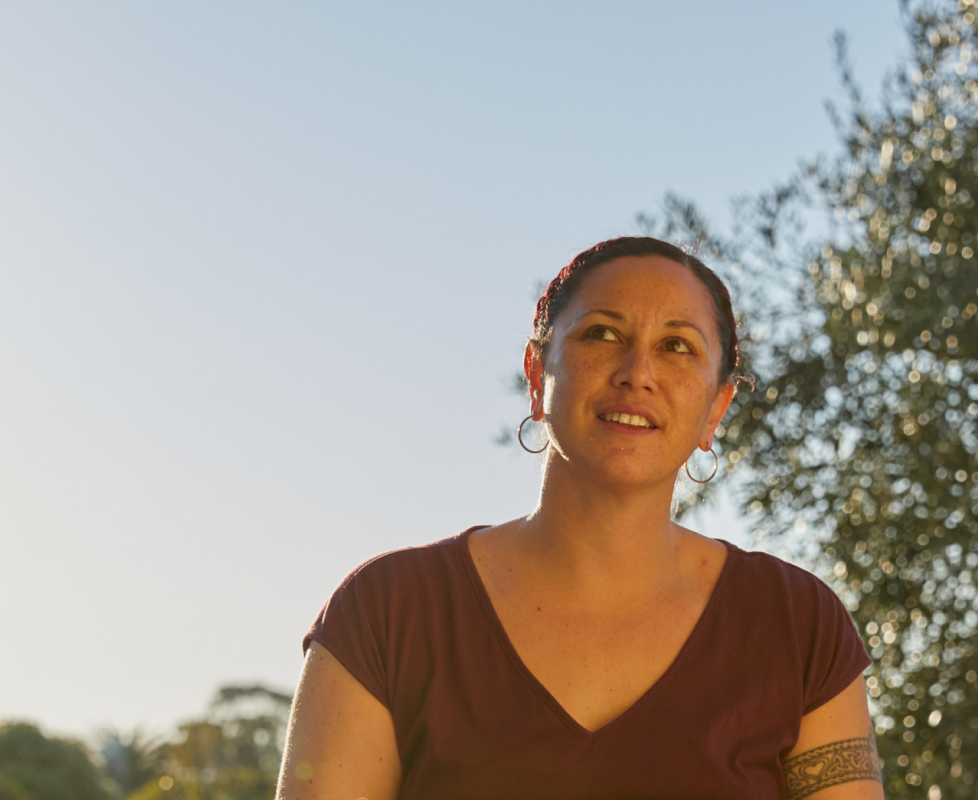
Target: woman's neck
x,y
600,535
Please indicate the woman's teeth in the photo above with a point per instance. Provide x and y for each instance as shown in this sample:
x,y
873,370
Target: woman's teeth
x,y
627,419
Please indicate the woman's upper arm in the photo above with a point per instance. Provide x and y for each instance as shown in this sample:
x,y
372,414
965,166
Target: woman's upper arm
x,y
340,743
835,756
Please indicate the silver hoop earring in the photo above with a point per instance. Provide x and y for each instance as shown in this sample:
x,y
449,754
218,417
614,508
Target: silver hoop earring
x,y
716,466
519,435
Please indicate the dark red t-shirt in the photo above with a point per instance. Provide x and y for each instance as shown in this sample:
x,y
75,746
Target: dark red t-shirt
x,y
417,629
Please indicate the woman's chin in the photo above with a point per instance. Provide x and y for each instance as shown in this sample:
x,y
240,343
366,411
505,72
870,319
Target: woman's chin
x,y
627,474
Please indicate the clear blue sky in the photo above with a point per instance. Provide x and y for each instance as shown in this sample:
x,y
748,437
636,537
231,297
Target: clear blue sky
x,y
266,267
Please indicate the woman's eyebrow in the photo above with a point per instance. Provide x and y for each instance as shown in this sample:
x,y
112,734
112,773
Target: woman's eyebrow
x,y
672,323
604,311
685,323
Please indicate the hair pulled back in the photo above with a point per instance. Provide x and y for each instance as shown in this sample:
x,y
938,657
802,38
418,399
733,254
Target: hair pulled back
x,y
563,287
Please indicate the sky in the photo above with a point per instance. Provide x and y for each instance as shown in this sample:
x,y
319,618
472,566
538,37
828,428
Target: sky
x,y
266,271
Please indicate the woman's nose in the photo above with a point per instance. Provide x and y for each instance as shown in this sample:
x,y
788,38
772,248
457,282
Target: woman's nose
x,y
636,370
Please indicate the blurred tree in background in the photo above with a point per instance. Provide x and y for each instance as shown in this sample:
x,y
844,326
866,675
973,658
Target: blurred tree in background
x,y
862,431
38,767
127,761
232,753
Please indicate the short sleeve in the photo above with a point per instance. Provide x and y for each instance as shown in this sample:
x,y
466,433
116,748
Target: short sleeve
x,y
353,627
836,654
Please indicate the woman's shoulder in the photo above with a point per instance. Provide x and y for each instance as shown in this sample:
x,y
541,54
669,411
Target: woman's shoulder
x,y
760,562
399,584
767,579
409,564
791,614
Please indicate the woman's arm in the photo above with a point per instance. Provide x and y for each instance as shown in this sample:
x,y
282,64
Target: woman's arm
x,y
835,757
340,744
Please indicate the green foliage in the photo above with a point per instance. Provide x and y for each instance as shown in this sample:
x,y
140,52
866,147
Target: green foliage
x,y
39,767
233,753
862,432
128,761
233,783
12,791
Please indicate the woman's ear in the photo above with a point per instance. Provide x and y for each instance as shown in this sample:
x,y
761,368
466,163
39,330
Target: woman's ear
x,y
533,369
720,406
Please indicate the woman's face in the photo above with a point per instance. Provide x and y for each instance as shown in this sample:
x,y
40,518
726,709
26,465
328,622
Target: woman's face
x,y
629,388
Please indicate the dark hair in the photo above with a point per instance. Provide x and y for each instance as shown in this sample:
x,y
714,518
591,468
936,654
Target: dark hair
x,y
562,289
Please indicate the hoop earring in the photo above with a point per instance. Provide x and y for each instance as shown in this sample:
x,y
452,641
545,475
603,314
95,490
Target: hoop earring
x,y
519,435
716,466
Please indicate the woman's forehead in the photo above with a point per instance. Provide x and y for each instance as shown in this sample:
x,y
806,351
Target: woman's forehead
x,y
642,285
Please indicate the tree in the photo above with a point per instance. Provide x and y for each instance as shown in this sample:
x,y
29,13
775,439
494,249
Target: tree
x,y
127,761
12,791
862,431
232,753
39,767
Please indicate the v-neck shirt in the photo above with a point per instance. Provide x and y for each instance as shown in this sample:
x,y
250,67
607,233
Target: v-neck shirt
x,y
417,629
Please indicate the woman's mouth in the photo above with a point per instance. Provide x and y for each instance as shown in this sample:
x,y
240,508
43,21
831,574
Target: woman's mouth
x,y
636,420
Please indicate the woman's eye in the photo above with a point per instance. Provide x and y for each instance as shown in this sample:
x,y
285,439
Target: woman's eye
x,y
678,346
602,334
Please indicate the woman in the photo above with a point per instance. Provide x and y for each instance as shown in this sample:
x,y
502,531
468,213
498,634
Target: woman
x,y
594,648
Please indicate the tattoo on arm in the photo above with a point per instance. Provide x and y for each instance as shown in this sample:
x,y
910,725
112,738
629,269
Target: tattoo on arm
x,y
832,764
